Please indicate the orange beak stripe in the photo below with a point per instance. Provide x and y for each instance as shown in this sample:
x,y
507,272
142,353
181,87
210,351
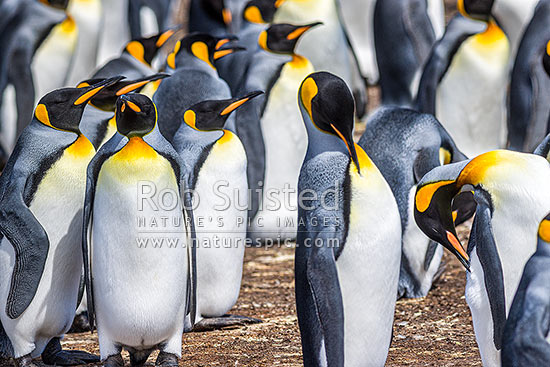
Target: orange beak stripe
x,y
221,43
457,246
227,16
220,54
133,106
164,37
297,33
341,137
131,87
88,95
233,106
123,107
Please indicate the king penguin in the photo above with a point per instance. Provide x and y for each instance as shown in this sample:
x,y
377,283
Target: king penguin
x,y
210,16
147,17
347,254
526,338
510,203
216,159
151,266
115,32
40,265
327,47
284,136
405,145
465,82
194,62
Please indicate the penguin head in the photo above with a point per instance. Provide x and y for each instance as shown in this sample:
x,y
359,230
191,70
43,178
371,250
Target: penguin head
x,y
145,49
544,231
546,58
476,9
212,115
282,38
328,104
62,109
136,115
58,4
204,47
106,99
259,11
218,10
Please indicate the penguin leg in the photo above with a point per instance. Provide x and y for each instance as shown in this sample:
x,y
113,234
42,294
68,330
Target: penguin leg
x,y
114,360
53,354
80,323
216,323
166,359
25,361
138,358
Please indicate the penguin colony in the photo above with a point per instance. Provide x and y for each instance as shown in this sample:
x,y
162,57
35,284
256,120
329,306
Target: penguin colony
x,y
141,157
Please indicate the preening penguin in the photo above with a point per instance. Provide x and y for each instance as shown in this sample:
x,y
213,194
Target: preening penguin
x,y
465,84
215,158
526,338
283,134
194,60
510,203
405,145
403,37
347,252
123,188
40,266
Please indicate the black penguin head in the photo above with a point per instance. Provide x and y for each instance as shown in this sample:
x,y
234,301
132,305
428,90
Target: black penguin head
x,y
145,49
282,38
136,115
218,10
259,11
106,99
58,4
62,109
476,9
204,47
330,106
212,115
546,58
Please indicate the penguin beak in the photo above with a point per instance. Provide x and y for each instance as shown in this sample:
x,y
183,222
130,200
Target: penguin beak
x,y
90,91
295,34
140,83
127,103
227,16
236,103
278,3
166,36
347,138
223,41
227,50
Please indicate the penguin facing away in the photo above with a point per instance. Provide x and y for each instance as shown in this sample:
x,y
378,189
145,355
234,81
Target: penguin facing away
x,y
526,338
216,160
160,280
40,266
405,145
284,137
347,254
465,82
506,187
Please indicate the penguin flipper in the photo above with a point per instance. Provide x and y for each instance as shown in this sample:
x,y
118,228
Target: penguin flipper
x,y
319,302
544,147
30,242
482,240
22,80
441,56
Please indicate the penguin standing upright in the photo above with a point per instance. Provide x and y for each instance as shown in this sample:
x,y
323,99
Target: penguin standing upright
x,y
40,265
327,47
87,15
147,17
23,33
403,36
508,188
405,145
526,338
284,136
349,245
465,82
214,155
140,172
194,59
116,30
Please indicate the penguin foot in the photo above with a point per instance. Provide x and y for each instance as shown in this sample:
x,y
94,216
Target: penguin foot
x,y
166,360
54,355
139,358
114,361
216,323
80,323
25,361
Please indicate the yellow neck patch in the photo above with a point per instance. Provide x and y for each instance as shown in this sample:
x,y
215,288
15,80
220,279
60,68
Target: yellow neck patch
x,y
425,194
190,118
491,35
68,25
253,15
475,172
135,149
226,137
82,147
544,230
262,41
365,163
200,50
136,49
41,114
